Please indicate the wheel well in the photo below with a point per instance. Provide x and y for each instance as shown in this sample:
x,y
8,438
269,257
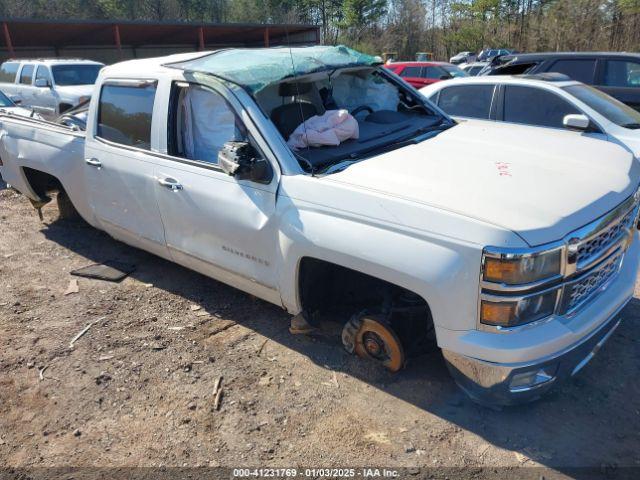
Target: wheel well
x,y
328,290
42,183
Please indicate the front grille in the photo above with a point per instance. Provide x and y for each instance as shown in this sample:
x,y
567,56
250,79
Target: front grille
x,y
596,246
579,291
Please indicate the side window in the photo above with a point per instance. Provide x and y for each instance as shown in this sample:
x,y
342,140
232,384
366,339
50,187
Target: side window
x,y
410,72
8,72
43,73
432,72
533,106
201,123
124,114
473,101
620,73
26,74
580,70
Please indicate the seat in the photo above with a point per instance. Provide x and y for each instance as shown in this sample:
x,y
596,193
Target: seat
x,y
288,116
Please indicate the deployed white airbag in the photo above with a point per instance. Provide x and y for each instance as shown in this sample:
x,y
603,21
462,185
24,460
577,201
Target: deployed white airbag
x,y
353,91
208,124
331,128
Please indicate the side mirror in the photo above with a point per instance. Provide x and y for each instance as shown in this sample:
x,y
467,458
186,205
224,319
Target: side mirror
x,y
242,161
15,99
576,121
42,83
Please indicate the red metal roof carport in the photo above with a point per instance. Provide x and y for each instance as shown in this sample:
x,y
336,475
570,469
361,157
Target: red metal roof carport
x,y
137,38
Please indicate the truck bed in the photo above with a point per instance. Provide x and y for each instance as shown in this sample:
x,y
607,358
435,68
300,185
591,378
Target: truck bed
x,y
28,144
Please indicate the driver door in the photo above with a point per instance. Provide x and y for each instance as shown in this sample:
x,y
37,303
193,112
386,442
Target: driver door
x,y
220,226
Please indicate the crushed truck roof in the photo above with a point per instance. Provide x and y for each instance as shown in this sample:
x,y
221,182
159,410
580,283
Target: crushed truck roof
x,y
254,68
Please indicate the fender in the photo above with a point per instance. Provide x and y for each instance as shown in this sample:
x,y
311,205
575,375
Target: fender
x,y
437,271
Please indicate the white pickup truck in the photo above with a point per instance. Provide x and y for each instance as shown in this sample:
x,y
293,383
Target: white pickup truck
x,y
510,247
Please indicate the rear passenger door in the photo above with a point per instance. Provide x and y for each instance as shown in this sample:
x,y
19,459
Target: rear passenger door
x,y
119,164
621,79
26,90
468,101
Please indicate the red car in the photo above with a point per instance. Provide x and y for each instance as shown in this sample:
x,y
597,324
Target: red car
x,y
420,74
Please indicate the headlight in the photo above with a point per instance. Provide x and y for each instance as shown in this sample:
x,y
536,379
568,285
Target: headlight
x,y
504,312
506,273
519,269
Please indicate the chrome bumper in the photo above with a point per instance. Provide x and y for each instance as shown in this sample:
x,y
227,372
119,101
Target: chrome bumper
x,y
509,384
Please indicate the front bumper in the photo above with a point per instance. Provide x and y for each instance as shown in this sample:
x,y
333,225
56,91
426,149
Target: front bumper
x,y
502,384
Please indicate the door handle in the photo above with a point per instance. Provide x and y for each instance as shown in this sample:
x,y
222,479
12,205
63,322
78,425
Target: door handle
x,y
170,183
94,162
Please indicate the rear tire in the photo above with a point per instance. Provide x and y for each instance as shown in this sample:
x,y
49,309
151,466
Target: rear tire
x,y
65,208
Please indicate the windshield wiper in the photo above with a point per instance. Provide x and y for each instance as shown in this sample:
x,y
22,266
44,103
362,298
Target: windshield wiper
x,y
632,126
414,137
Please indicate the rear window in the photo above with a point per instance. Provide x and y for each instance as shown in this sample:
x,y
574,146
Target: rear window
x,y
8,72
473,101
26,74
125,112
580,70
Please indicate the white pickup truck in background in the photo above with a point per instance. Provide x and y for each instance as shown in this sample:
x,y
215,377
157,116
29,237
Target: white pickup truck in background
x,y
510,247
49,86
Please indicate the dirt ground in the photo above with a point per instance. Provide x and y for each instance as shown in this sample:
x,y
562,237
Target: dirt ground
x,y
137,388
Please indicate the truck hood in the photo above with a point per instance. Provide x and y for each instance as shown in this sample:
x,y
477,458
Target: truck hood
x,y
75,91
540,183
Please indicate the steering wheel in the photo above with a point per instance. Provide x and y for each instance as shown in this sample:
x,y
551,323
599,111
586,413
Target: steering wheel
x,y
361,108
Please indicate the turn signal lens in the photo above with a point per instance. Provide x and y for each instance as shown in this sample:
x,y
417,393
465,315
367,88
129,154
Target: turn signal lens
x,y
497,270
522,269
519,311
498,313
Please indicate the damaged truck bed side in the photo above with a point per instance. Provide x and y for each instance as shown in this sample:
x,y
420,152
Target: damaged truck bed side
x,y
510,248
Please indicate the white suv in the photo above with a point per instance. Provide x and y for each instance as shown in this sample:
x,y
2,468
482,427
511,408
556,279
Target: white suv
x,y
49,86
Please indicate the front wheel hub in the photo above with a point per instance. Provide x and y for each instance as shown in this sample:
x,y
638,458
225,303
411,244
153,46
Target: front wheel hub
x,y
374,339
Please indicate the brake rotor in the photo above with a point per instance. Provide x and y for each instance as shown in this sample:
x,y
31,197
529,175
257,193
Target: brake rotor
x,y
375,340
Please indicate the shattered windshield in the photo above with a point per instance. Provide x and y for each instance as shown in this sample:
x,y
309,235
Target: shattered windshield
x,y
255,68
331,105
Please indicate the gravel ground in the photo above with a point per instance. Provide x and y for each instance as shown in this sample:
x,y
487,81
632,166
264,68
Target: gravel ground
x,y
137,389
